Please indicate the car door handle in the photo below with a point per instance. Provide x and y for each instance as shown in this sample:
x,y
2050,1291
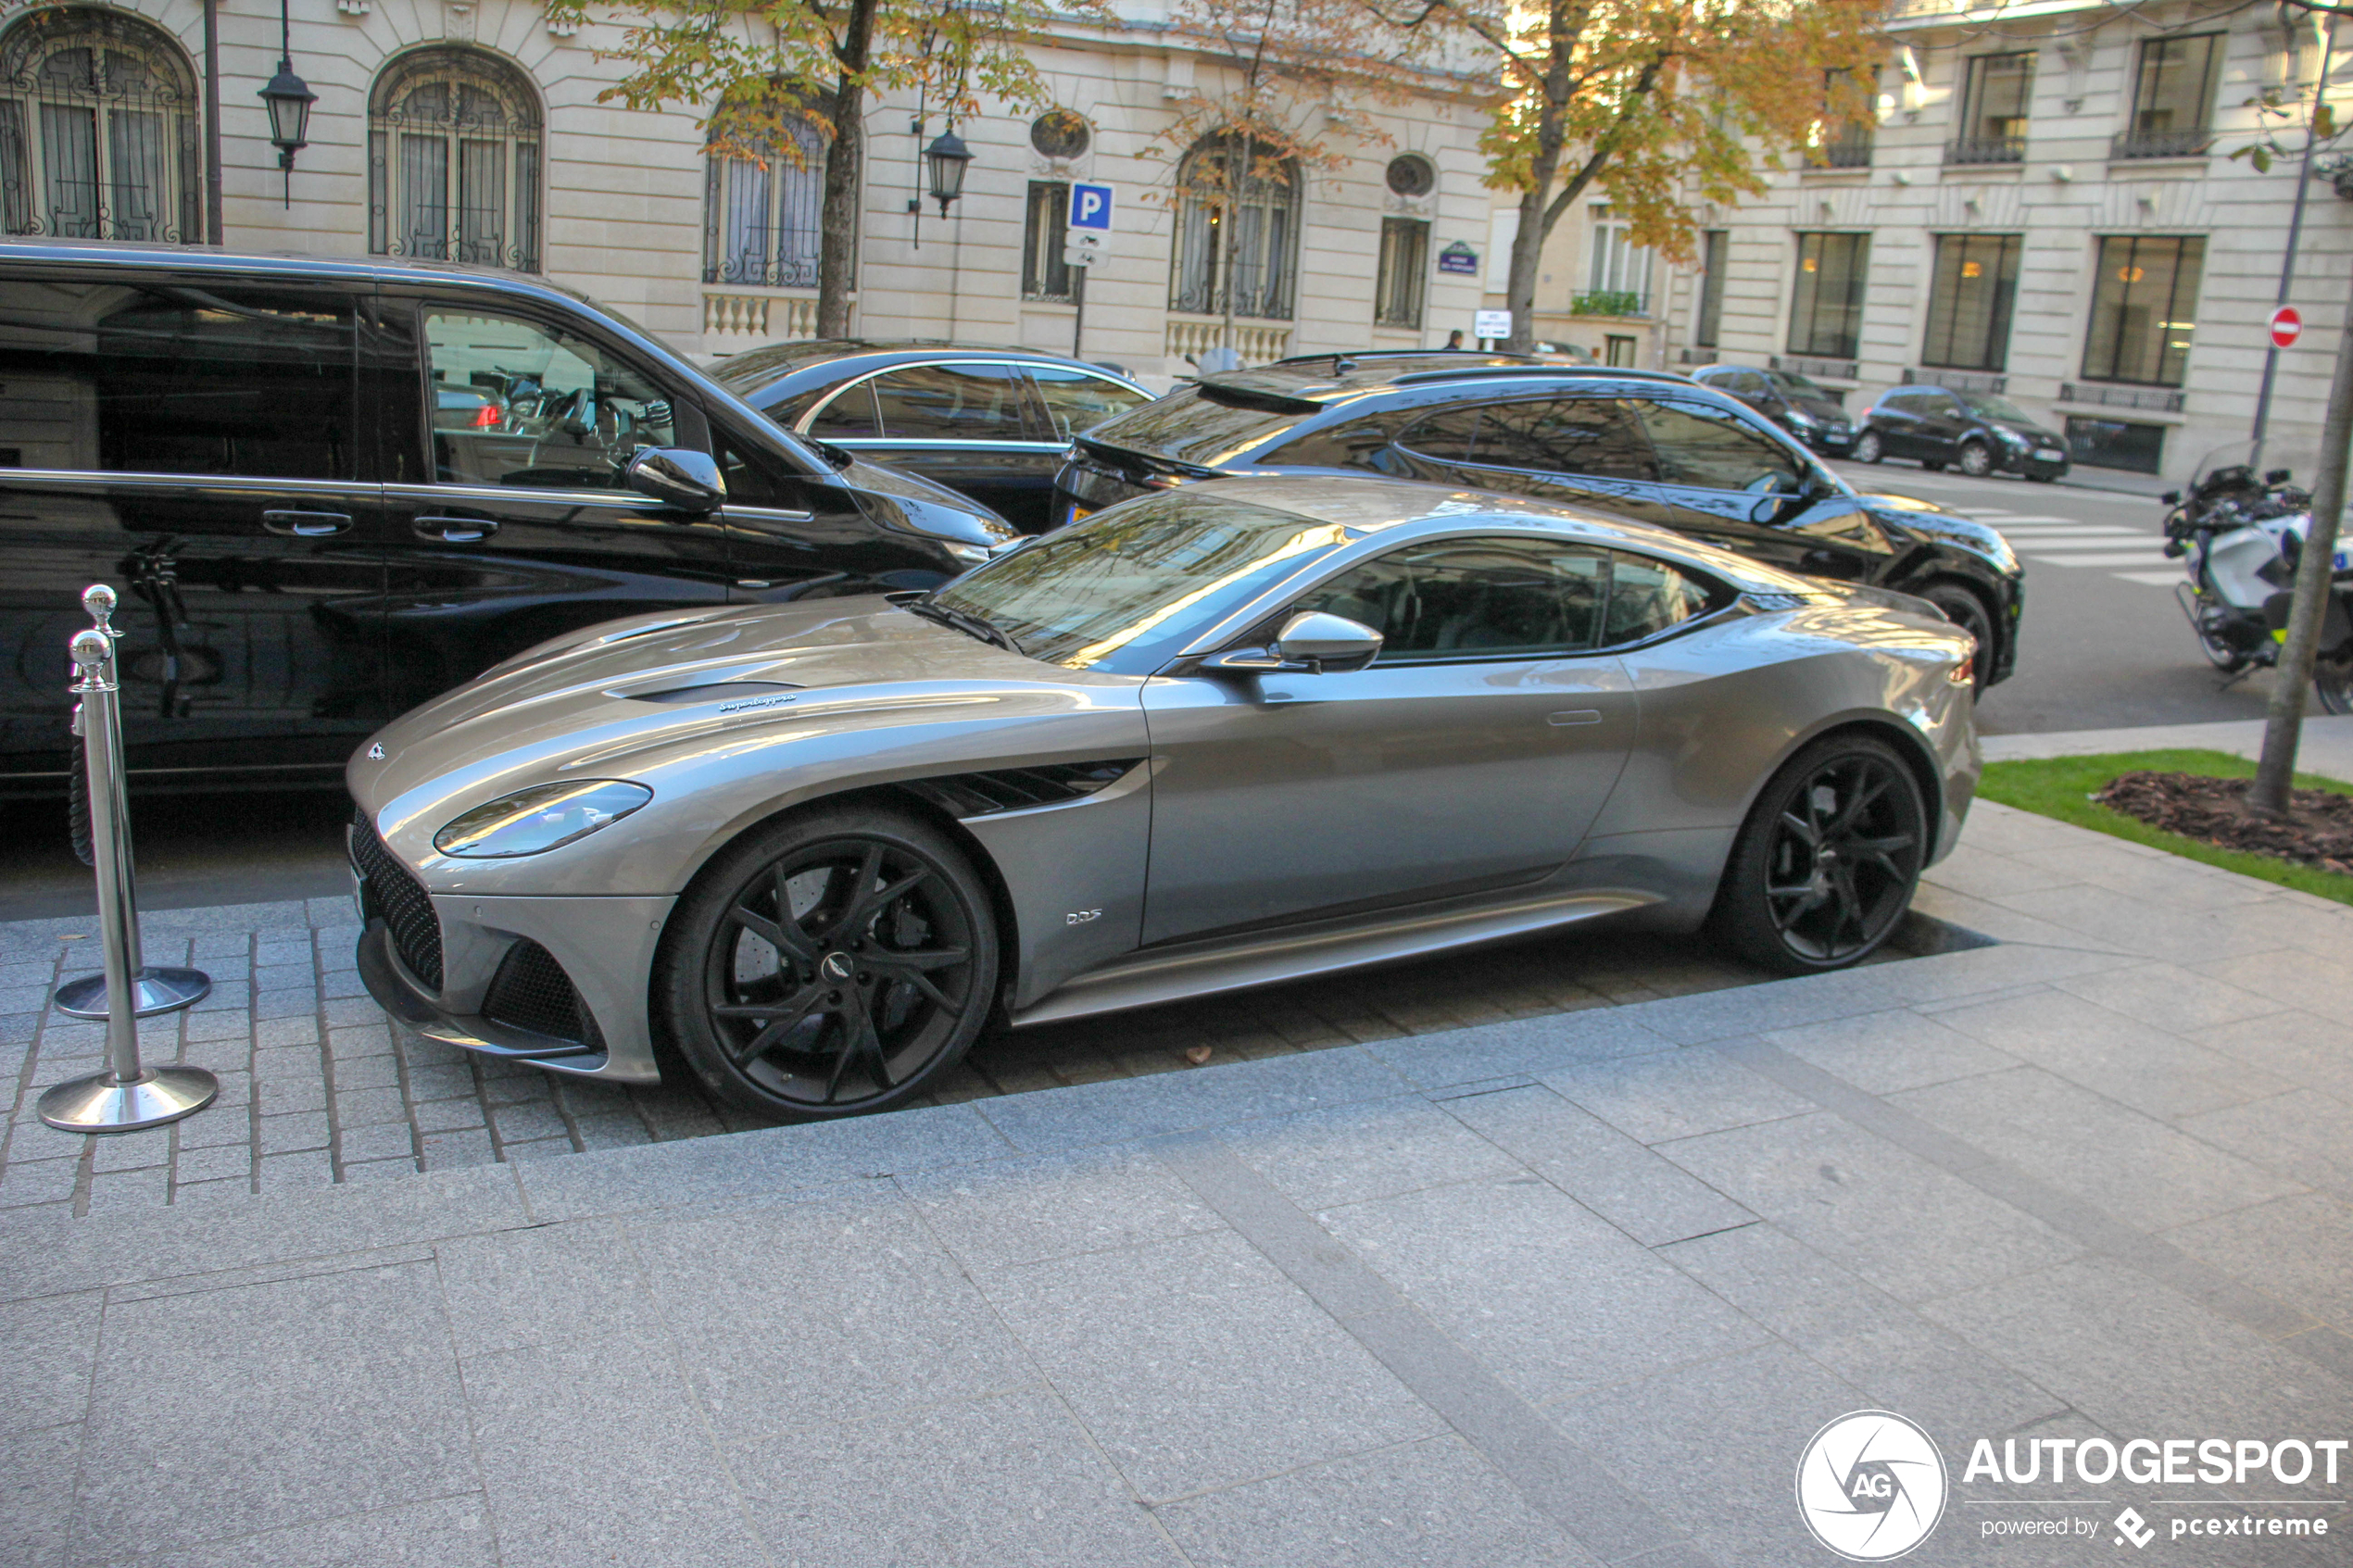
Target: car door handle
x,y
305,525
455,530
1575,716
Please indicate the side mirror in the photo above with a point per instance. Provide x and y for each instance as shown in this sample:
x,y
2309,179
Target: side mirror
x,y
1313,642
2278,476
2171,498
679,479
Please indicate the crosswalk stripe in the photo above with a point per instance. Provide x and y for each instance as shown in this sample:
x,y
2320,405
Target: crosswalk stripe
x,y
2037,536
2154,579
2072,544
2027,516
2088,560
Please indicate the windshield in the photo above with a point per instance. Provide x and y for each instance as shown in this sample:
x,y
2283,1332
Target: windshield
x,y
1791,381
2301,458
1191,427
1995,408
1122,590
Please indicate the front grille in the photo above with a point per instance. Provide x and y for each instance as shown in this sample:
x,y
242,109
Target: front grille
x,y
400,898
532,992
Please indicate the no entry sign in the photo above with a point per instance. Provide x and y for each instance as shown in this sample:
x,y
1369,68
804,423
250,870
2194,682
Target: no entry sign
x,y
2286,327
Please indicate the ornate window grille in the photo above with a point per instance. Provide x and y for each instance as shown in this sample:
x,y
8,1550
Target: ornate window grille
x,y
97,130
1265,242
762,216
453,159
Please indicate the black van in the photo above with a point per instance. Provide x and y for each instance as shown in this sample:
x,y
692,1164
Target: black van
x,y
328,488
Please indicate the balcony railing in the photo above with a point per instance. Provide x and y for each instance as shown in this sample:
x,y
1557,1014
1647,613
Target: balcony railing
x,y
1608,302
786,317
1810,365
1986,149
2160,144
1257,344
1959,381
1847,155
2154,399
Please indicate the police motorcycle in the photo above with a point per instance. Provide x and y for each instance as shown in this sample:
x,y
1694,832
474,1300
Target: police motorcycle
x,y
2241,537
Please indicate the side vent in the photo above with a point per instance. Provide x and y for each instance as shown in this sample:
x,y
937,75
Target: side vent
x,y
1017,789
531,992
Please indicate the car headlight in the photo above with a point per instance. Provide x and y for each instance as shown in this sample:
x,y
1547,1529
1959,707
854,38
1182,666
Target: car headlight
x,y
1800,420
2010,439
531,821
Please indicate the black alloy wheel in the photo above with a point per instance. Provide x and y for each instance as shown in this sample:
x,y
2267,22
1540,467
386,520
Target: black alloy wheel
x,y
829,965
1976,459
1965,610
1828,862
1868,448
2332,680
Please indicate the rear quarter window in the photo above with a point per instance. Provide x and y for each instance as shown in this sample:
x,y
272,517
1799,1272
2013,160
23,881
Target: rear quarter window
x,y
1350,444
1188,426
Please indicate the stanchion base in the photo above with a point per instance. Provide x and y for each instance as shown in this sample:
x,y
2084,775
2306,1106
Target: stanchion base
x,y
100,1104
160,990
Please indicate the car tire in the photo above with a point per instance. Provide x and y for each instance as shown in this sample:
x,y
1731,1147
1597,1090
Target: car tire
x,y
1868,448
1828,860
1965,610
870,988
1976,459
2332,681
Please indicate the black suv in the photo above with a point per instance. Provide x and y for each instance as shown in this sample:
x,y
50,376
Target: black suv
x,y
328,488
1644,444
1796,404
991,423
1975,431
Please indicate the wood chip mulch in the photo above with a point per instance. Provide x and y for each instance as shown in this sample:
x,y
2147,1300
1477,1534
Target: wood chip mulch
x,y
2317,832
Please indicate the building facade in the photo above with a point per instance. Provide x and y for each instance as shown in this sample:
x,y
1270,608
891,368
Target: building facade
x,y
470,130
2048,210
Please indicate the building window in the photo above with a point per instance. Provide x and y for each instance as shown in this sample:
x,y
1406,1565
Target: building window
x,y
2173,97
1618,352
762,211
1970,301
1618,277
1714,248
453,159
1404,264
1263,240
97,130
2143,309
1994,96
2116,444
1060,133
1044,275
1847,143
1826,316
1410,174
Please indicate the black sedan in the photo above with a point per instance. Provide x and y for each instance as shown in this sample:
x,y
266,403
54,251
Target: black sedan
x,y
1796,404
991,423
1975,431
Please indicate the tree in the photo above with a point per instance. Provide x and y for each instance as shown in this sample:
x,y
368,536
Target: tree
x,y
1658,101
759,64
1294,86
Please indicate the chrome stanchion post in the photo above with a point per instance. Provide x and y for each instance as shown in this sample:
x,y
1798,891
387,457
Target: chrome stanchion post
x,y
127,1096
158,990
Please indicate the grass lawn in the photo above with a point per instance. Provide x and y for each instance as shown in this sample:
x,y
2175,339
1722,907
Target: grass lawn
x,y
2061,787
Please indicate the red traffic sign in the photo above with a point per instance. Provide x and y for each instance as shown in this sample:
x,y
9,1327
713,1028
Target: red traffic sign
x,y
2286,327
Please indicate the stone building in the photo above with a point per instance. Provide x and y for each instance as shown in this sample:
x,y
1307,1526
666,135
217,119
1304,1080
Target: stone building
x,y
2046,210
470,130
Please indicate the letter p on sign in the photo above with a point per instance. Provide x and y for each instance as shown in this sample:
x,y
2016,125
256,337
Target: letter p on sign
x,y
1091,208
2286,327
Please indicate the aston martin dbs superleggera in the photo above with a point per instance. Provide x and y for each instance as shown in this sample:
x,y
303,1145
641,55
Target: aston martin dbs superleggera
x,y
1218,736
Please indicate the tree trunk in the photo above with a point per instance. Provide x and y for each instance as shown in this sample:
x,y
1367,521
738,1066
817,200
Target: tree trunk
x,y
1528,254
845,161
2284,727
1230,231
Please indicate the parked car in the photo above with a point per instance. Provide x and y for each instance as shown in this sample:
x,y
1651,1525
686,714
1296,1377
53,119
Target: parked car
x,y
1647,446
1794,402
1975,431
1233,735
328,488
989,422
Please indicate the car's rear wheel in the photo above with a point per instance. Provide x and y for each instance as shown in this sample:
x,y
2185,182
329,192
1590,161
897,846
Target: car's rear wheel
x,y
1976,459
1828,860
1868,448
2332,680
832,963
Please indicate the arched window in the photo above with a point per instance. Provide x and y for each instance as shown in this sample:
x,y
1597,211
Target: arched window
x,y
453,159
1266,236
761,215
97,129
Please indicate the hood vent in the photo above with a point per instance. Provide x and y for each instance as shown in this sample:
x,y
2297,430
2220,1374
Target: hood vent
x,y
715,690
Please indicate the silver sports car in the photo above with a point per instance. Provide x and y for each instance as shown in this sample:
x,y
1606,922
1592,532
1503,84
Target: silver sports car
x,y
1215,737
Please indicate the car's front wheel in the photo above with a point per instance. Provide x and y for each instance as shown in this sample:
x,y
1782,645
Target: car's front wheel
x,y
834,962
1827,862
1976,459
1868,448
1965,610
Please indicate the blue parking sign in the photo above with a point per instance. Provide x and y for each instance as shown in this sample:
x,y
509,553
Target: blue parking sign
x,y
1091,208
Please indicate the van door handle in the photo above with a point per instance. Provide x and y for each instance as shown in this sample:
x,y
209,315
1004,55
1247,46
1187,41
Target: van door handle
x,y
455,530
305,525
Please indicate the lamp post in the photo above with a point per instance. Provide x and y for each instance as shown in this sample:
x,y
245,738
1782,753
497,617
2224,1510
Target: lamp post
x,y
288,98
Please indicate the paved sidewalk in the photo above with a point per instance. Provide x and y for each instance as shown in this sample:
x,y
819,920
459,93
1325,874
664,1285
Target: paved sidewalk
x,y
1568,1289
2325,746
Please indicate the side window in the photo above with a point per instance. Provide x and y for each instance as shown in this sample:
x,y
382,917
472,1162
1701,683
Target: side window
x,y
973,402
1077,401
1594,436
1355,444
256,383
755,478
1708,449
851,416
1450,435
1647,597
1747,384
529,406
1475,598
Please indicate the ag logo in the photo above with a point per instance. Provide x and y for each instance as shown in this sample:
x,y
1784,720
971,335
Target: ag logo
x,y
1871,1486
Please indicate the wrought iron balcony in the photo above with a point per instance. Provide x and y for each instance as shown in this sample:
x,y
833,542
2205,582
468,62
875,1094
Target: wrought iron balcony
x,y
1847,155
2160,144
1986,149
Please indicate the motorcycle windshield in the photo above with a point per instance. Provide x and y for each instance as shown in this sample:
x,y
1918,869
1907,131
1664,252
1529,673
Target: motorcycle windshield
x,y
2250,463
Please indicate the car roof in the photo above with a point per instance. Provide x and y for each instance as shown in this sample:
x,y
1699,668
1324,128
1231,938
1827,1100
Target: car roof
x,y
1324,380
785,368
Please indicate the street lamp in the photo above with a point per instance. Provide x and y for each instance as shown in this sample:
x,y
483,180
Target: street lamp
x,y
288,98
947,155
